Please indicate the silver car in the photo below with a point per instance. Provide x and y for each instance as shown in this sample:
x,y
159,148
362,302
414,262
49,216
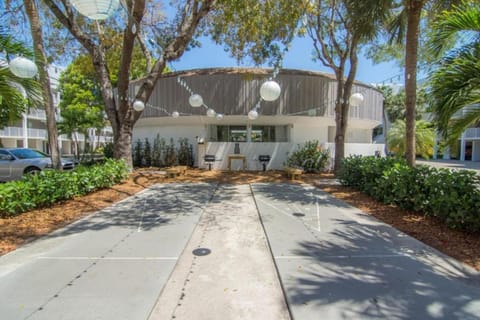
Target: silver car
x,y
15,162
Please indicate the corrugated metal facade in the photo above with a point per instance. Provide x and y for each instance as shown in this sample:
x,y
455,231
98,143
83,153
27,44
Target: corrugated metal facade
x,y
235,91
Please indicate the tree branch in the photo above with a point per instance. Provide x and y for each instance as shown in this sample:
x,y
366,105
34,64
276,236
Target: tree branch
x,y
176,47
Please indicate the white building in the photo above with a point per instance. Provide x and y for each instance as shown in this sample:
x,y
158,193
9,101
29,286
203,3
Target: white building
x,y
304,111
31,130
469,142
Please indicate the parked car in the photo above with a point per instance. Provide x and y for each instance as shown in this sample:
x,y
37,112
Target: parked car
x,y
15,162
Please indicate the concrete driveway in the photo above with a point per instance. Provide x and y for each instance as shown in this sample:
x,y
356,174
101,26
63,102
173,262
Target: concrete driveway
x,y
318,258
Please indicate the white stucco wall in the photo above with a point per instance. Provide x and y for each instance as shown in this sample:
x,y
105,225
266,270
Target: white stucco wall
x,y
302,132
359,136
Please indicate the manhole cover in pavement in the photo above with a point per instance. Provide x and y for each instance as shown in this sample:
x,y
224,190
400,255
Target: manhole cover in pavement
x,y
201,251
298,214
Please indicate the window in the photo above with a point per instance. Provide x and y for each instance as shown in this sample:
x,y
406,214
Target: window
x,y
248,133
263,134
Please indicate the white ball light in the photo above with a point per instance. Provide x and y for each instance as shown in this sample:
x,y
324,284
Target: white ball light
x,y
195,100
138,105
96,9
253,114
175,114
211,113
356,99
270,90
23,67
219,116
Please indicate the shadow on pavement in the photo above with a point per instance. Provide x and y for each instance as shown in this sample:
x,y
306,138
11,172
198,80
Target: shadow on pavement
x,y
363,277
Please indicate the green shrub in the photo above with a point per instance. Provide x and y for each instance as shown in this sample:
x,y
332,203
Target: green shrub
x,y
452,196
108,150
50,186
310,157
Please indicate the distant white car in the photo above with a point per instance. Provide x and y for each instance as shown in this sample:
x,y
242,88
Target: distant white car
x,y
15,162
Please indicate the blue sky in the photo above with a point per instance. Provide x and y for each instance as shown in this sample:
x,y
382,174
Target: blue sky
x,y
298,57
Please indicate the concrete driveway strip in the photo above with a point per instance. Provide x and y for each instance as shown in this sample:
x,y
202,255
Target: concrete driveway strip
x,y
111,265
233,275
336,262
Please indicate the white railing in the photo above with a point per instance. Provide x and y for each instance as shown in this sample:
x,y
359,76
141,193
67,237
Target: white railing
x,y
472,133
37,133
37,114
11,132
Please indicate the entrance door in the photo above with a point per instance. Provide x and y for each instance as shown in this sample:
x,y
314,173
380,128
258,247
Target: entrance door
x,y
468,150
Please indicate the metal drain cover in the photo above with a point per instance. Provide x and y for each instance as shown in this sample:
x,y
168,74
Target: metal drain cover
x,y
201,251
298,214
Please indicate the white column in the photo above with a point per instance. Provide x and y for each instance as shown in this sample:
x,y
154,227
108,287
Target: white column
x,y
25,130
462,148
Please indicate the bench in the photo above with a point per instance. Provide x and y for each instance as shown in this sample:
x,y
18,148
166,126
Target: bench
x,y
293,172
172,172
182,169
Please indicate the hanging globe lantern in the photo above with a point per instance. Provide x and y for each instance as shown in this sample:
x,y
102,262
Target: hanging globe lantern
x,y
23,67
211,113
96,9
175,114
253,115
195,100
270,90
138,105
356,99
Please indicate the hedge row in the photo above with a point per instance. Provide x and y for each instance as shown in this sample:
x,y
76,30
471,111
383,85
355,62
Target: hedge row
x,y
50,186
452,196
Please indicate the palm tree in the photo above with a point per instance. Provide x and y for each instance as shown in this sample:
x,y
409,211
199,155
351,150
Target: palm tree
x,y
455,85
15,93
33,15
424,138
406,27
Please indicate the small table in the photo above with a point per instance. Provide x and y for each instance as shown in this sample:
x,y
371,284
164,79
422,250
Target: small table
x,y
237,157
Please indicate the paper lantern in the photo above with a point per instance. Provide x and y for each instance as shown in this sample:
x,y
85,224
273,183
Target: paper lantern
x,y
195,100
219,116
175,114
138,105
356,99
96,9
23,67
253,114
270,90
211,113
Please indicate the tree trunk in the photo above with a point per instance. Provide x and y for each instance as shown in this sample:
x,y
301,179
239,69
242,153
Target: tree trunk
x,y
342,105
122,143
41,61
414,9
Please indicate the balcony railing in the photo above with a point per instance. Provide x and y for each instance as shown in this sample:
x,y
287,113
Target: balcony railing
x,y
37,114
11,132
16,132
472,133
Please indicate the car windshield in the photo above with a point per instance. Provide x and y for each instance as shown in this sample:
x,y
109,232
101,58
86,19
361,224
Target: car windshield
x,y
27,154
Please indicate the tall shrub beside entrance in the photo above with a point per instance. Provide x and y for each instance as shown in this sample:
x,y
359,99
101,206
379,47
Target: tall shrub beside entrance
x,y
310,157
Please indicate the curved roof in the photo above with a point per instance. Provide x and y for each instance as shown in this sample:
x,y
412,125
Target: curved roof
x,y
235,91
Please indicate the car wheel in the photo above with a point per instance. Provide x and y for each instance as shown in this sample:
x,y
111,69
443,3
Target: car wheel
x,y
31,170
